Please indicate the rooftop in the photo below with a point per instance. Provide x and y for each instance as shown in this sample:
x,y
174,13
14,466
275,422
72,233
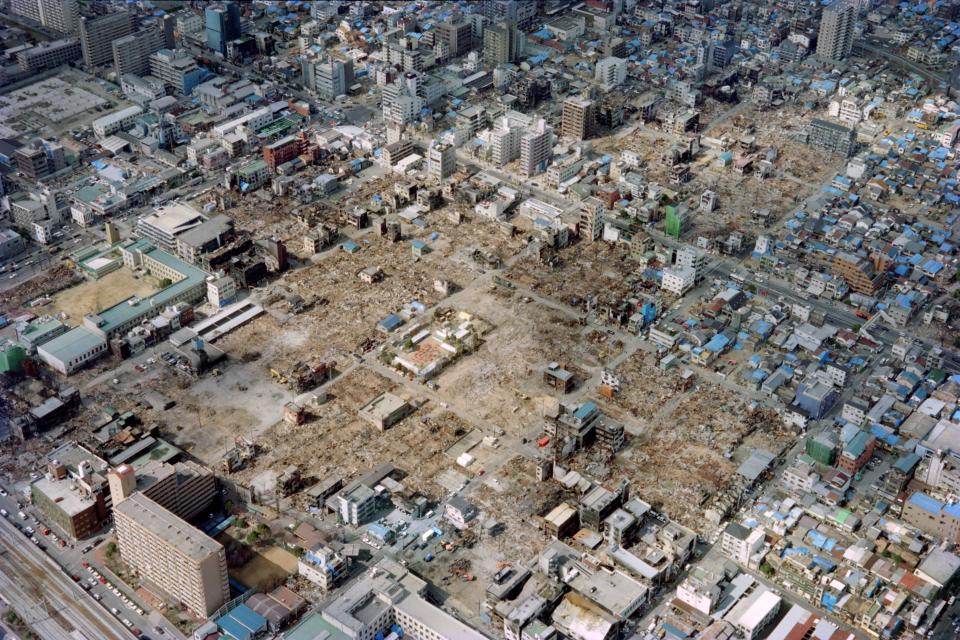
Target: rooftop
x,y
172,217
112,317
72,344
189,540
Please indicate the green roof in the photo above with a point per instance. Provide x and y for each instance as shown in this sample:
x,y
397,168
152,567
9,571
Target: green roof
x,y
253,167
122,312
842,515
37,333
313,627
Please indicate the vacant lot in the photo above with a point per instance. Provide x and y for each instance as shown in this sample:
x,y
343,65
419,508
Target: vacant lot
x,y
95,295
266,569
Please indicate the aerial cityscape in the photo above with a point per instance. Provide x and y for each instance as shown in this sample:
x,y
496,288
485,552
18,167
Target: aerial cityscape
x,y
465,320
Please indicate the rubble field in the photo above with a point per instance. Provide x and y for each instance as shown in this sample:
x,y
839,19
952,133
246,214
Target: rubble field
x,y
684,451
498,381
345,310
326,445
59,278
511,496
586,269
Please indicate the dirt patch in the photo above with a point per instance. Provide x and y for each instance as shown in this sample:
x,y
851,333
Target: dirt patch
x,y
266,569
94,295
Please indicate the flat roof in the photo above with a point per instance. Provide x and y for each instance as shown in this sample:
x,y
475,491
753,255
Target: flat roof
x,y
112,317
72,344
436,618
168,527
171,216
65,494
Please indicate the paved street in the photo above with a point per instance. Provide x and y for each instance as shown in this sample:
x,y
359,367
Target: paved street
x,y
54,565
45,597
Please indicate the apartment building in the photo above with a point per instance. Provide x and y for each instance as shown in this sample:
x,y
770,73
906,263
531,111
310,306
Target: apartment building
x,y
186,488
131,54
935,518
591,219
610,72
356,504
49,55
536,149
502,43
441,161
835,40
176,557
324,567
505,144
59,15
858,272
678,280
800,478
578,118
97,36
740,543
832,137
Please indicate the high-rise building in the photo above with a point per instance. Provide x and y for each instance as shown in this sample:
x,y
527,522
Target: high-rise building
x,y
456,36
505,143
441,161
611,72
59,15
185,488
577,121
832,137
179,559
502,43
522,13
97,36
536,149
328,79
222,24
590,226
131,54
400,104
177,69
835,39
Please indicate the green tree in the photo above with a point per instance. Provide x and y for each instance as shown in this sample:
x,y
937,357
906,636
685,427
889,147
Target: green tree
x,y
111,549
228,506
241,523
252,537
766,569
165,282
263,530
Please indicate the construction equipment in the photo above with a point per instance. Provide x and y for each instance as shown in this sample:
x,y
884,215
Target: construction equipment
x,y
303,376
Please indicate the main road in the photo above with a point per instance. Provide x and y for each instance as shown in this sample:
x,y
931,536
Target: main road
x,y
45,597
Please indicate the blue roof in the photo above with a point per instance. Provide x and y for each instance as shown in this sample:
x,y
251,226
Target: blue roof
x,y
926,503
585,410
391,322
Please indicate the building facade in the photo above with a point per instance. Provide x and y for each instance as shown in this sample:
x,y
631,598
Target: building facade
x,y
180,559
97,36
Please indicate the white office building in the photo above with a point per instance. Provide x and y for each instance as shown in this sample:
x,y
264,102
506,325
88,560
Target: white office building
x,y
610,72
